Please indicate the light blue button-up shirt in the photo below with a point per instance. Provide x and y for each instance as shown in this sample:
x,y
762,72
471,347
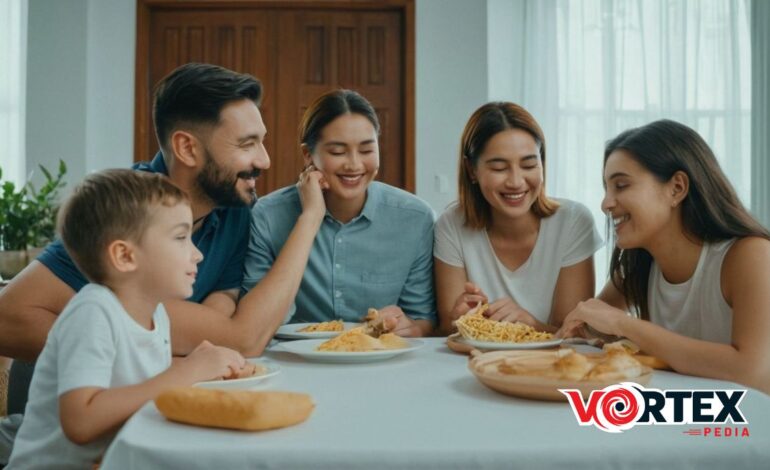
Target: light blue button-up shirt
x,y
382,257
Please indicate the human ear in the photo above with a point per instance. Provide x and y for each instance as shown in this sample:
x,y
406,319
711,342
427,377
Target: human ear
x,y
185,148
307,157
121,254
679,186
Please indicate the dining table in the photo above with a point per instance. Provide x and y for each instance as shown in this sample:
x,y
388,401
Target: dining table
x,y
426,410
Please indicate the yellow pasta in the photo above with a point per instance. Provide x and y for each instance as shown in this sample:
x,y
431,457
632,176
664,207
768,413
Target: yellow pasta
x,y
474,325
334,325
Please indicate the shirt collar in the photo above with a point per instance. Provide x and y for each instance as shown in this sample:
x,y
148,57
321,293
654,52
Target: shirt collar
x,y
158,165
373,196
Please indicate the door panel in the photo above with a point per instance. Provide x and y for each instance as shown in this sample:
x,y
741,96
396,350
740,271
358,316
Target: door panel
x,y
297,54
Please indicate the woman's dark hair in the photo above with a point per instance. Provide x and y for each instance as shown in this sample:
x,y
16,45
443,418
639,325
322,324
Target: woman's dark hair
x,y
485,123
328,107
195,94
711,211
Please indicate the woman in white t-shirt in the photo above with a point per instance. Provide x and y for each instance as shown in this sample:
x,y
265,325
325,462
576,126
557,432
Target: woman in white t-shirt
x,y
688,257
505,241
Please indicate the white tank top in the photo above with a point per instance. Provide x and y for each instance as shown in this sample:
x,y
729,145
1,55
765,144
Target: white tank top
x,y
695,308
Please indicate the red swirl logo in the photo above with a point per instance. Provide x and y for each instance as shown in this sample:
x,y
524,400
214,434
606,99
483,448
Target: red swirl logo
x,y
619,407
613,409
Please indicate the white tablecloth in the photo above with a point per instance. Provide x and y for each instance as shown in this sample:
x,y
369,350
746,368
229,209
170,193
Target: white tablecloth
x,y
426,410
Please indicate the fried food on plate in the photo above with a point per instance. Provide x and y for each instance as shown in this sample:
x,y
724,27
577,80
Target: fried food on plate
x,y
372,336
334,325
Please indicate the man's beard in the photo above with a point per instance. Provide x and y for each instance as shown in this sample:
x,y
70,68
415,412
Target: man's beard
x,y
220,185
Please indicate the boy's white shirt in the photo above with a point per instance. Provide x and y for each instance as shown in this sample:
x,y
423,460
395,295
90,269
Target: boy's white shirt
x,y
93,343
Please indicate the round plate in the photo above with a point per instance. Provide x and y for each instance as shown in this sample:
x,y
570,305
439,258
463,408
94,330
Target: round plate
x,y
247,382
536,387
291,331
307,349
539,388
495,346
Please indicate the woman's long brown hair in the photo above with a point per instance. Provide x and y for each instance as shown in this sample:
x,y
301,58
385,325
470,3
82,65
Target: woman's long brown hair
x,y
711,211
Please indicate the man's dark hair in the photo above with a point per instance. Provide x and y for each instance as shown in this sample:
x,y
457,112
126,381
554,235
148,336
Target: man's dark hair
x,y
194,94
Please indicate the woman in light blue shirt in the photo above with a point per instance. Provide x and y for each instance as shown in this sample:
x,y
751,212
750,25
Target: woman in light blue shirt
x,y
374,247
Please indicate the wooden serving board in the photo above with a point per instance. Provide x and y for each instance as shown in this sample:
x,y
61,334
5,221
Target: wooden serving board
x,y
647,360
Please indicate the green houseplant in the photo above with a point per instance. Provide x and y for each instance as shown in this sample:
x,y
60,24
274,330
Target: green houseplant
x,y
27,219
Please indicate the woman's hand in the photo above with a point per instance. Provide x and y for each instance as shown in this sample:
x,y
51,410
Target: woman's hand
x,y
311,185
395,321
468,300
506,309
598,315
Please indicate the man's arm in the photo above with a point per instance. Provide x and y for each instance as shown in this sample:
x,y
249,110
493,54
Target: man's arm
x,y
224,301
29,306
259,313
262,309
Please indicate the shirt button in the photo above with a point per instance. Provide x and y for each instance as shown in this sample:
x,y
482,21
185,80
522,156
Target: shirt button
x,y
339,240
337,266
337,294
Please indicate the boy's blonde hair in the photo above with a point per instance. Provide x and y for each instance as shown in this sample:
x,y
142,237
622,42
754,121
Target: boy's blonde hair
x,y
107,206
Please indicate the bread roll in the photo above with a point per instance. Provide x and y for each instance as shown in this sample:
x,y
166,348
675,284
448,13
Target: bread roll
x,y
234,409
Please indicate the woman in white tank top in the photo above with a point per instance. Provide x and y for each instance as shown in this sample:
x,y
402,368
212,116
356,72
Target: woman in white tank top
x,y
505,241
689,258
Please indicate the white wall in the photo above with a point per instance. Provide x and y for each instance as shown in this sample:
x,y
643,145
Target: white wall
x,y
111,44
80,89
56,86
451,76
505,49
80,85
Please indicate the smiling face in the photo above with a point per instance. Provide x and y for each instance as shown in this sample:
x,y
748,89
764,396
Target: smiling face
x,y
235,155
641,207
509,173
348,155
166,253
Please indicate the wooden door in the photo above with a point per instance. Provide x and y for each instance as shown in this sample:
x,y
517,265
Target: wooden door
x,y
298,54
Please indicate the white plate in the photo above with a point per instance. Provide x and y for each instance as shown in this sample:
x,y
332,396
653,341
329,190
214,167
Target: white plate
x,y
291,331
491,345
307,349
247,382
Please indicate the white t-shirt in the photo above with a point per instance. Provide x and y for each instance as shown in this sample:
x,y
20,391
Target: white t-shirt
x,y
696,307
566,238
94,343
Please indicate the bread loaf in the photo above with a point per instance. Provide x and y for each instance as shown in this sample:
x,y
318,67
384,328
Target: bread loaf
x,y
234,409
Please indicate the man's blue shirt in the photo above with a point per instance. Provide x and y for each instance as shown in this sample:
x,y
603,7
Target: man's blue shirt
x,y
222,239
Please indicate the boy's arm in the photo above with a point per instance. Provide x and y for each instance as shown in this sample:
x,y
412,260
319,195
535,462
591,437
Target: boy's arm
x,y
29,306
89,413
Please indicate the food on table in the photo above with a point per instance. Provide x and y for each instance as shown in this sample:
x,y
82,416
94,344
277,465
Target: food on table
x,y
356,340
371,336
248,370
234,409
334,325
474,325
564,364
631,348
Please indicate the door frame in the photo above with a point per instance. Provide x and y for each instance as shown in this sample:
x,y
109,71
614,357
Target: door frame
x,y
143,87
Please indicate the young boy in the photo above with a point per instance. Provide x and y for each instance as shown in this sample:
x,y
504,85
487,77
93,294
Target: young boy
x,y
109,351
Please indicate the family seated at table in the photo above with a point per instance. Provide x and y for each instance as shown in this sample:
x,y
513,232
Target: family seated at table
x,y
689,259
